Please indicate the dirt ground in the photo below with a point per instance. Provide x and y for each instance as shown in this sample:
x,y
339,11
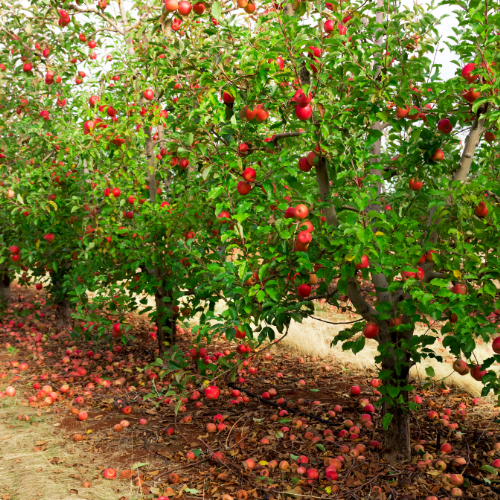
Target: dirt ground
x,y
258,451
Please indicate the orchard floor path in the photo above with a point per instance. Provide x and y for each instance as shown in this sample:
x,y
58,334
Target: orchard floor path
x,y
37,461
46,452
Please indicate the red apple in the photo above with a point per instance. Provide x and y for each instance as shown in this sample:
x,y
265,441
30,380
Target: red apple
x,y
10,391
355,390
445,448
445,126
329,26
415,184
460,288
109,473
438,155
471,95
212,392
243,188
304,237
226,97
301,99
303,112
364,263
467,72
199,8
249,174
402,113
171,5
481,210
371,330
312,474
304,164
477,373
184,8
301,211
496,345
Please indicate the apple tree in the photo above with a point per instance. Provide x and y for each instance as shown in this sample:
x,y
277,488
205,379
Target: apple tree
x,y
266,156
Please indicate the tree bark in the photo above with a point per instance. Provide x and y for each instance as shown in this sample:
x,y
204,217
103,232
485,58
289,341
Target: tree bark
x,y
325,193
160,321
397,444
63,313
4,287
476,131
165,320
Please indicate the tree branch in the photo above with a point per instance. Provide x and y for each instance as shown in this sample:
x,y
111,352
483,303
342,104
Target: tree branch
x,y
99,13
473,138
283,135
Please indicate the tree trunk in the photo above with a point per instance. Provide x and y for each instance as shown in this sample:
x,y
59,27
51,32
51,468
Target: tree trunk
x,y
160,320
397,445
4,287
63,313
165,320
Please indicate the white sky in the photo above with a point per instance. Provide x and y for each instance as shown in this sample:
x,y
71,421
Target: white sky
x,y
448,69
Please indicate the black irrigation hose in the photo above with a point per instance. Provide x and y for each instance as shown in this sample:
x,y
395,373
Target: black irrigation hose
x,y
341,323
476,480
276,405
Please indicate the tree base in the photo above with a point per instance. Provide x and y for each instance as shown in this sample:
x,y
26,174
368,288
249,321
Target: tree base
x,y
63,313
397,445
4,290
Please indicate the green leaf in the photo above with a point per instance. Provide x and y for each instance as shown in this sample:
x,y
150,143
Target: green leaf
x,y
490,288
430,371
386,420
342,286
206,172
262,271
216,10
489,469
177,406
392,391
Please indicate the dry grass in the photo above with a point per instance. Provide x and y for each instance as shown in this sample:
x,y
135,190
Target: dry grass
x,y
26,474
312,338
